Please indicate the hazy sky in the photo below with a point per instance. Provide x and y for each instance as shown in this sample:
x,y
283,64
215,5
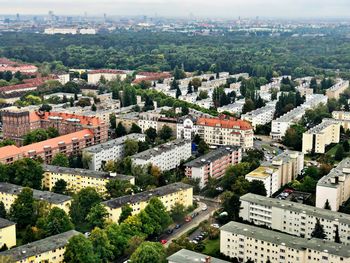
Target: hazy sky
x,y
208,8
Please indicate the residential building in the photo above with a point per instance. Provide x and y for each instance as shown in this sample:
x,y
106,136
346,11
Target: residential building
x,y
261,116
213,164
278,172
9,193
246,242
317,138
335,186
128,119
14,66
343,117
304,89
294,218
53,31
188,256
50,249
94,76
218,131
186,128
281,124
234,108
335,91
78,179
98,155
169,195
166,156
7,233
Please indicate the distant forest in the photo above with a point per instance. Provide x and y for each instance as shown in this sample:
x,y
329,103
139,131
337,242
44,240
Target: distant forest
x,y
147,51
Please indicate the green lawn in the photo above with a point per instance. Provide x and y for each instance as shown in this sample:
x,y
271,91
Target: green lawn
x,y
212,247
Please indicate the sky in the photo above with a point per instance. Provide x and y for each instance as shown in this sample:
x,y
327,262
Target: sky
x,y
183,8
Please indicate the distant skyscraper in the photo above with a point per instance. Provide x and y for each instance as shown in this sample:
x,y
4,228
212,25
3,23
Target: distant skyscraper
x,y
17,17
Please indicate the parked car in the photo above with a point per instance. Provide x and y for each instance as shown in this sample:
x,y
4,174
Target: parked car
x,y
177,226
163,241
204,208
170,231
188,218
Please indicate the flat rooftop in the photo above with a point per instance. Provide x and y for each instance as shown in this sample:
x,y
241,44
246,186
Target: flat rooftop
x,y
169,146
212,156
262,172
40,246
323,125
84,172
278,238
297,207
146,195
112,143
336,175
188,256
50,197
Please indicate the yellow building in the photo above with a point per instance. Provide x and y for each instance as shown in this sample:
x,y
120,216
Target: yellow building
x,y
78,179
50,249
169,195
7,233
335,91
9,193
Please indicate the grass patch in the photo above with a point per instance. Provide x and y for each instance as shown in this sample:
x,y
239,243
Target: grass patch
x,y
212,247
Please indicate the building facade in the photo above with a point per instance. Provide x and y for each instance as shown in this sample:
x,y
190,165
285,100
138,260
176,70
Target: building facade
x,y
260,116
7,233
335,91
94,76
188,256
169,195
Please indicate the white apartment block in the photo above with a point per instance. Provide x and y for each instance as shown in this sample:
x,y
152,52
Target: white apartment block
x,y
186,128
293,218
188,256
304,89
281,124
219,132
53,31
317,138
166,156
335,91
261,116
148,120
235,107
343,117
245,242
335,186
98,155
94,76
281,170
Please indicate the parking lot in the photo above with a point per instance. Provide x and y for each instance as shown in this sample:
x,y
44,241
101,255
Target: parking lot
x,y
292,195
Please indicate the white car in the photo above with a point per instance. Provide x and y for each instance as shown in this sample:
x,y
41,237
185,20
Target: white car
x,y
204,208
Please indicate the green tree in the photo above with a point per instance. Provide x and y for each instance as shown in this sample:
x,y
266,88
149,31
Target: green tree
x,y
165,133
318,231
117,188
120,130
336,236
93,107
113,121
327,206
346,146
60,187
60,159
158,214
3,213
56,222
101,245
22,210
37,135
339,154
117,238
248,106
80,250
52,132
293,137
149,252
26,172
97,216
203,95
257,187
126,212
151,134
45,107
179,73
135,128
203,147
131,147
231,204
178,212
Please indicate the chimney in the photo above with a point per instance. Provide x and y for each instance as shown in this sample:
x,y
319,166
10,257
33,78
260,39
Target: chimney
x,y
207,259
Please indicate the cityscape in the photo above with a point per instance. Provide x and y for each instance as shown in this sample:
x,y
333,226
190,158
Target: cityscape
x,y
161,131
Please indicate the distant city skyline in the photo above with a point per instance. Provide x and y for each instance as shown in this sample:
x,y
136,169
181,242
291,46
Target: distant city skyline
x,y
183,8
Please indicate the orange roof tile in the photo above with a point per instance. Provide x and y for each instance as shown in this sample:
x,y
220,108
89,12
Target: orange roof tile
x,y
231,124
8,151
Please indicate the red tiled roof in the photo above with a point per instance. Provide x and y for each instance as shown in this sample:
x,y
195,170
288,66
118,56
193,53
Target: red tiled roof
x,y
8,151
231,123
28,84
84,120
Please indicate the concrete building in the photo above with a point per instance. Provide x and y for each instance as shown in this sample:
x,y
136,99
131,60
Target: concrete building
x,y
213,164
169,195
98,155
9,193
335,91
335,186
343,117
317,138
234,108
7,233
217,131
166,156
128,119
50,249
281,170
261,116
186,128
188,256
64,31
293,218
78,179
245,242
94,76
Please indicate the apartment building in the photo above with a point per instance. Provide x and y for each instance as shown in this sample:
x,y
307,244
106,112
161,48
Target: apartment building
x,y
335,91
14,66
78,179
317,138
234,108
335,186
166,156
7,233
294,218
281,170
128,119
67,144
186,128
343,117
94,76
213,164
217,131
9,193
50,249
188,256
246,242
98,155
304,89
169,195
261,116
281,124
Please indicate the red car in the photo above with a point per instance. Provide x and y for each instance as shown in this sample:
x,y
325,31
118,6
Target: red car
x,y
163,241
188,218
